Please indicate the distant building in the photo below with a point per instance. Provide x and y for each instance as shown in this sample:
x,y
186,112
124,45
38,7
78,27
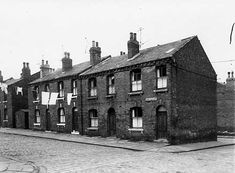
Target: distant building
x,y
226,104
14,97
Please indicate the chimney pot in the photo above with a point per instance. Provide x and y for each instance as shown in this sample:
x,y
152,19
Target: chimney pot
x,y
68,54
228,74
46,62
121,53
42,62
131,36
134,36
24,64
93,43
232,74
97,44
27,64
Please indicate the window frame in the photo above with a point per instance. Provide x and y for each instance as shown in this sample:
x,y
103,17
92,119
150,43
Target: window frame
x,y
36,93
161,77
5,114
136,80
111,84
37,116
61,117
74,88
136,116
92,89
61,89
47,88
93,118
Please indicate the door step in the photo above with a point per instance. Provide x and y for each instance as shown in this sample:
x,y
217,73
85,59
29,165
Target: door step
x,y
75,132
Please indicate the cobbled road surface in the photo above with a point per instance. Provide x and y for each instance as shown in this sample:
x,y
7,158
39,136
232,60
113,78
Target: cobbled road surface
x,y
56,156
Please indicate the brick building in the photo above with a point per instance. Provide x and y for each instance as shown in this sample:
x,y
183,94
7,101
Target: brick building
x,y
62,115
14,97
166,91
226,104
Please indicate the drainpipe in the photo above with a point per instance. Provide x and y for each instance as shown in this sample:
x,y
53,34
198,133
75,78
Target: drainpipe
x,y
82,132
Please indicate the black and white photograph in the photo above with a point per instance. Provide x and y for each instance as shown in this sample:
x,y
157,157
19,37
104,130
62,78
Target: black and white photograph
x,y
117,86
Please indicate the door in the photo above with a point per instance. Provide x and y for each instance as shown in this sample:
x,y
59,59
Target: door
x,y
111,122
26,120
75,119
161,130
48,120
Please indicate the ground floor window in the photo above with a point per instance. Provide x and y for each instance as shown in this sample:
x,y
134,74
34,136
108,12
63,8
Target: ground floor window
x,y
37,116
61,115
93,118
136,117
5,114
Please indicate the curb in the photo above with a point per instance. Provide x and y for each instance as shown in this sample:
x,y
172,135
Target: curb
x,y
79,142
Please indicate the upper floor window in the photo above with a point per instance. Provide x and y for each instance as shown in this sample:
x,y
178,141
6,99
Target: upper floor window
x,y
92,87
110,82
47,88
5,114
37,116
136,82
61,89
36,93
161,77
61,115
136,117
74,87
93,118
4,96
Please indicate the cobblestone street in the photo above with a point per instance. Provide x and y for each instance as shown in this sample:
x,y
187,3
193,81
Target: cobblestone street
x,y
57,156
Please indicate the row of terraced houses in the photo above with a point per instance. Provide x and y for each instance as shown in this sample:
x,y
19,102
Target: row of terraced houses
x,y
166,91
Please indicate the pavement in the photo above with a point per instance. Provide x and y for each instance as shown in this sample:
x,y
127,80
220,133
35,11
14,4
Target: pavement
x,y
8,165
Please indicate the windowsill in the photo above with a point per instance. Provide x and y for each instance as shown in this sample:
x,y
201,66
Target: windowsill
x,y
5,120
92,97
110,95
60,98
4,101
136,129
36,101
160,90
135,93
36,124
60,124
92,128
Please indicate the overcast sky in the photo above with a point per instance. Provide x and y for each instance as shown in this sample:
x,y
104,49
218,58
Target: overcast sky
x,y
32,30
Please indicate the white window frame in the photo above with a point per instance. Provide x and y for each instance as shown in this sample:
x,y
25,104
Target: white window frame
x,y
37,116
74,87
136,84
61,115
36,90
61,89
161,78
94,122
136,117
92,87
111,84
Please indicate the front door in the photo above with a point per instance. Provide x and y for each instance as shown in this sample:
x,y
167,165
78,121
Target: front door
x,y
111,122
75,119
48,120
26,119
161,123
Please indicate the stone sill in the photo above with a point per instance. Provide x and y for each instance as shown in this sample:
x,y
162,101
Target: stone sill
x,y
60,98
111,96
135,93
36,101
160,90
136,129
60,124
74,96
4,101
92,128
5,120
36,124
92,98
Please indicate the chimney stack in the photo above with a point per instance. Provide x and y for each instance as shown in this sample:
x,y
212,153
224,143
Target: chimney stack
x,y
25,70
67,63
132,46
1,77
95,53
44,69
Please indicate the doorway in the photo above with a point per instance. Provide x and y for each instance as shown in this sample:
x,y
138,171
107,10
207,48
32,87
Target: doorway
x,y
26,120
111,122
75,119
48,120
161,118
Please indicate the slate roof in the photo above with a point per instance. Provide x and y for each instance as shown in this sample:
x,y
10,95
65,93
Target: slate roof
x,y
78,68
11,81
145,55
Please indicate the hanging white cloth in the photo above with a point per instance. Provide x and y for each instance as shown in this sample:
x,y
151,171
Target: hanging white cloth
x,y
69,98
45,98
3,87
53,98
19,90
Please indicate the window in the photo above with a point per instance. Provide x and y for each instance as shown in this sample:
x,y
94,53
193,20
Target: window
x,y
61,115
92,87
93,118
37,116
47,88
136,117
61,89
5,114
4,96
74,87
36,93
136,82
161,77
111,87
